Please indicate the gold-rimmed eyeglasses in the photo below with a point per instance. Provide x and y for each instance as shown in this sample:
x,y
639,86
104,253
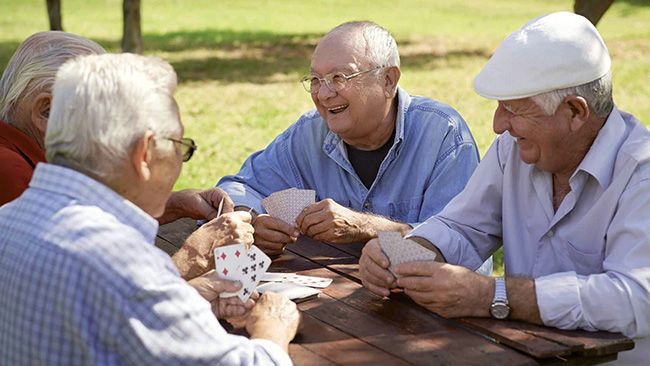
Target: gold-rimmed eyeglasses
x,y
187,147
335,82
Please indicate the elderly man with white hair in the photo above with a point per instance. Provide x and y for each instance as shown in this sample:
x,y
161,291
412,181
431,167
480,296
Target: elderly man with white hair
x,y
81,279
378,158
25,96
565,189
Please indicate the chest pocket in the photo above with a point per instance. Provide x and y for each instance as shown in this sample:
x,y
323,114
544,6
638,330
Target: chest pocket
x,y
406,211
585,259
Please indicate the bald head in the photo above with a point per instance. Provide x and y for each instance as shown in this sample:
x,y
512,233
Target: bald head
x,y
370,42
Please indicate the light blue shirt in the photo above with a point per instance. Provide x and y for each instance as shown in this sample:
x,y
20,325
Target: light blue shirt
x,y
81,283
591,258
432,157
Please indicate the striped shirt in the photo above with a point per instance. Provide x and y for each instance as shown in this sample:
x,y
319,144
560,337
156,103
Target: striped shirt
x,y
81,283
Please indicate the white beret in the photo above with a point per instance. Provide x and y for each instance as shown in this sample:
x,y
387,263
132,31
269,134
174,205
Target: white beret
x,y
554,51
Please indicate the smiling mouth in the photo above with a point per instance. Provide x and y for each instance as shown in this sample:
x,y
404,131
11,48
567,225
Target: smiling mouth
x,y
337,109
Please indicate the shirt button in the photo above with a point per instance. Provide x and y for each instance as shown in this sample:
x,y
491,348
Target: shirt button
x,y
366,205
550,233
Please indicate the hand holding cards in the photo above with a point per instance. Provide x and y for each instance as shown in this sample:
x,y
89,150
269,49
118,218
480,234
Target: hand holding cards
x,y
400,250
237,263
288,204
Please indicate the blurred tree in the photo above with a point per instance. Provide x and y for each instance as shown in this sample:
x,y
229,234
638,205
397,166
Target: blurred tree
x,y
592,9
132,35
54,13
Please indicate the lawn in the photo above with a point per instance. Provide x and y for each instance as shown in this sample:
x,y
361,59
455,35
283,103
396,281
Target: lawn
x,y
239,62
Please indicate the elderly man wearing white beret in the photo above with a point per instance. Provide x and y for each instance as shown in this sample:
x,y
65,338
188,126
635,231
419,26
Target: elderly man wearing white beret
x,y
565,188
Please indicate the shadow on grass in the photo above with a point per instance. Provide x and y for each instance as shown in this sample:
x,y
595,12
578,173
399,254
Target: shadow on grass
x,y
255,57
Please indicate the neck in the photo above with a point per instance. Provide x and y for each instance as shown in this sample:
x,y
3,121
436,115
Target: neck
x,y
380,135
31,131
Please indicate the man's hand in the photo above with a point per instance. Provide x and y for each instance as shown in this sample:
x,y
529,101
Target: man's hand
x,y
274,318
272,235
448,290
373,269
209,286
330,222
196,255
196,204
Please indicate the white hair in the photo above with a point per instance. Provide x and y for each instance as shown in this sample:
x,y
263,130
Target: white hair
x,y
381,48
102,104
597,93
32,68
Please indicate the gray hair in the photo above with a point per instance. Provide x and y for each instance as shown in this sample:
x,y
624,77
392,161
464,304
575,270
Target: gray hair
x,y
381,48
32,68
597,93
102,104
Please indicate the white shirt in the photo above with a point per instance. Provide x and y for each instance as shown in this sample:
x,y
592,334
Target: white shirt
x,y
590,259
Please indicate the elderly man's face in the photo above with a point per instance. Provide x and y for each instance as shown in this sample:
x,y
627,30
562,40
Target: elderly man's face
x,y
356,110
544,141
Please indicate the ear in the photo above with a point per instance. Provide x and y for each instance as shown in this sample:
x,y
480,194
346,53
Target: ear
x,y
579,111
141,155
391,79
41,111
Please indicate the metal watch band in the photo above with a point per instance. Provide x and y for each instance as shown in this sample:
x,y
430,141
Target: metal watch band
x,y
500,294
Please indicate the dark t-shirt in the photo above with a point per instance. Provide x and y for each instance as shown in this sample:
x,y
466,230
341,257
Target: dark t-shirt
x,y
366,163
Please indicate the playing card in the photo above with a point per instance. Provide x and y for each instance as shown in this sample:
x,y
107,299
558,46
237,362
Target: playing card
x,y
310,281
400,250
286,205
248,269
292,291
227,259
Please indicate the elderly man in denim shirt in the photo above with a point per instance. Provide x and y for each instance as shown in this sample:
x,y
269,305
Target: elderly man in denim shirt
x,y
378,159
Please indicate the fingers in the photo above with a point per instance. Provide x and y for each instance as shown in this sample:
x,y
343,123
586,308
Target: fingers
x,y
372,268
272,235
314,207
244,216
312,215
418,268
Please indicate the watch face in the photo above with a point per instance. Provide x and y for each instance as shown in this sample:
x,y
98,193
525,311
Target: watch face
x,y
500,310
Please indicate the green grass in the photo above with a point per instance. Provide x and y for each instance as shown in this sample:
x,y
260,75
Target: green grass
x,y
238,62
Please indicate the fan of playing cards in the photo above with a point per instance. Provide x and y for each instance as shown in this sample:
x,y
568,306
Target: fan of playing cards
x,y
286,205
237,263
400,250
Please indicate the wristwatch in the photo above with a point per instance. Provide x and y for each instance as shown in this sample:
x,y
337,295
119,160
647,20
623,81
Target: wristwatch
x,y
500,308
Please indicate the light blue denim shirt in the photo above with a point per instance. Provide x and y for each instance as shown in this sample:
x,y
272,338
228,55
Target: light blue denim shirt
x,y
432,157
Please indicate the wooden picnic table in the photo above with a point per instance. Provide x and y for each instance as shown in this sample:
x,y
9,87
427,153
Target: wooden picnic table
x,y
349,325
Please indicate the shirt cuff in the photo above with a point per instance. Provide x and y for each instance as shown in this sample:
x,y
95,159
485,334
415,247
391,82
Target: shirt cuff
x,y
275,351
558,300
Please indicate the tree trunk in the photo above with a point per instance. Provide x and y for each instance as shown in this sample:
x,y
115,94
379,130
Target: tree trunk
x,y
592,9
132,36
54,13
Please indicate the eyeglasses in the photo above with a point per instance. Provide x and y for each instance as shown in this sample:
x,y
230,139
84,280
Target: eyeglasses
x,y
334,82
187,147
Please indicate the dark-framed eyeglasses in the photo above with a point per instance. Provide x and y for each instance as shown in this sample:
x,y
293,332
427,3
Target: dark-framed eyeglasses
x,y
187,146
335,82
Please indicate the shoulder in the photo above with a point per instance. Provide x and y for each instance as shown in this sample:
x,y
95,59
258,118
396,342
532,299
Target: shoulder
x,y
117,255
306,131
431,115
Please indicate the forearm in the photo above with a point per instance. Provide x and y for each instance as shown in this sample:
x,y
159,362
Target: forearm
x,y
271,332
522,299
370,225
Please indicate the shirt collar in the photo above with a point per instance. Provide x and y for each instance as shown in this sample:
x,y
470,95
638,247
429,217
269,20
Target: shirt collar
x,y
13,137
333,140
87,191
599,161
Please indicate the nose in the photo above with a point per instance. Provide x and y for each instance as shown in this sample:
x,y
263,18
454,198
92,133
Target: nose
x,y
325,92
501,121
